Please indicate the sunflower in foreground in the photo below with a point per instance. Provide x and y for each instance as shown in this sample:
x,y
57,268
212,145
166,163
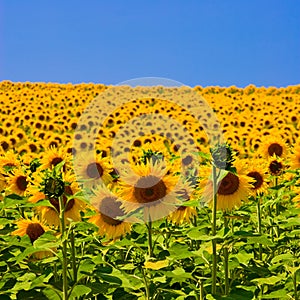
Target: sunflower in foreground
x,y
108,214
33,228
150,188
232,188
184,213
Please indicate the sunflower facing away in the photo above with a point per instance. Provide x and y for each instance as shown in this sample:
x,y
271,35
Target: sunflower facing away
x,y
108,210
150,188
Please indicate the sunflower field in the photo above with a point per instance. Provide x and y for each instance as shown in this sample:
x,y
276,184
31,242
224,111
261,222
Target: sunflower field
x,y
115,192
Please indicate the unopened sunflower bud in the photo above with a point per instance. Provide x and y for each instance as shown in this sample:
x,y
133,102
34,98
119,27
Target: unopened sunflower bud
x,y
53,187
223,156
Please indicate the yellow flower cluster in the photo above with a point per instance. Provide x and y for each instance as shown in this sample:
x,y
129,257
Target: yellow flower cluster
x,y
41,125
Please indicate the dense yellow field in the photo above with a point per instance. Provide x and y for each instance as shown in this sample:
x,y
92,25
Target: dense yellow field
x,y
149,193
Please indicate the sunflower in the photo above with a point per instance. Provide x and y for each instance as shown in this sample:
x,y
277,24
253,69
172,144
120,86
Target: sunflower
x,y
149,187
8,161
3,182
18,182
232,188
275,166
295,158
274,146
296,199
50,214
256,170
108,211
184,213
53,156
92,169
33,228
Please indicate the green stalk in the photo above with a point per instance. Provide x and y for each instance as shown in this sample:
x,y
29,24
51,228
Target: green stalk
x,y
295,284
64,247
150,243
201,290
214,230
226,261
259,226
73,254
146,284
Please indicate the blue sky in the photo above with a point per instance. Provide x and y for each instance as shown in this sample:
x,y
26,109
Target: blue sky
x,y
196,42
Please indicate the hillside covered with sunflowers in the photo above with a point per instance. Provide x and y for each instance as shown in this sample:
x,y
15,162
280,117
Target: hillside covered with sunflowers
x,y
93,206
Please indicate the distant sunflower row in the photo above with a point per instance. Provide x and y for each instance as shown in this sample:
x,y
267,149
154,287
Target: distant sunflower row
x,y
154,177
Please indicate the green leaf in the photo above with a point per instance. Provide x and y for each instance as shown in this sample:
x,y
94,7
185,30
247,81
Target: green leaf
x,y
269,280
80,290
260,240
244,257
283,257
276,294
178,275
179,251
52,294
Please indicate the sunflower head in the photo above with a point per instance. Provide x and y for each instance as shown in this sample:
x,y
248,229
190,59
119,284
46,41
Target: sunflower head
x,y
53,186
18,182
275,166
32,228
223,156
274,146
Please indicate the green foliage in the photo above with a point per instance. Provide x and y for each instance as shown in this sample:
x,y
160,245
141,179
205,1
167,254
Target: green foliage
x,y
181,265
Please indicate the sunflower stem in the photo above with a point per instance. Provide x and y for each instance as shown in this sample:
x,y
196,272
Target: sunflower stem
x,y
146,284
295,285
214,230
150,243
64,247
259,226
73,253
226,261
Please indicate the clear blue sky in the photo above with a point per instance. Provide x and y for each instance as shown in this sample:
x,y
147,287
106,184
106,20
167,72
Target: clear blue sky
x,y
196,42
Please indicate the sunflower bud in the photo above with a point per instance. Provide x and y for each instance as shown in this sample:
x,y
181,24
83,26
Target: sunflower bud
x,y
223,157
54,187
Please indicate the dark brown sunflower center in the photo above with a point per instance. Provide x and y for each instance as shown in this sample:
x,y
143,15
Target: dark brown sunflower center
x,y
276,149
275,167
34,231
110,209
21,183
94,170
149,189
258,179
69,205
229,184
181,208
55,161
